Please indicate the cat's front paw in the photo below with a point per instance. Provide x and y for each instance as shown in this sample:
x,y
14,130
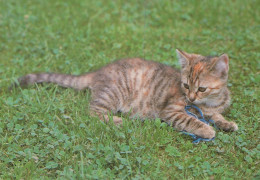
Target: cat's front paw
x,y
233,126
206,132
227,126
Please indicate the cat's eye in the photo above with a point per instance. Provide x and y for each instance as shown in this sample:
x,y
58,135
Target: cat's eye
x,y
186,86
202,89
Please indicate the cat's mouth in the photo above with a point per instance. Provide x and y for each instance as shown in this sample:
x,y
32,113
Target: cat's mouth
x,y
195,101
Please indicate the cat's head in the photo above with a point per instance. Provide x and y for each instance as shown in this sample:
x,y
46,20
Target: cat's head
x,y
203,78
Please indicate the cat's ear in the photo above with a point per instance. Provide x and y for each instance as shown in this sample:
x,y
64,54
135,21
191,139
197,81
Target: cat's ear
x,y
221,66
183,57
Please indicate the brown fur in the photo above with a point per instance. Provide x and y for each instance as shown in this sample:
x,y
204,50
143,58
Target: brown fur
x,y
147,89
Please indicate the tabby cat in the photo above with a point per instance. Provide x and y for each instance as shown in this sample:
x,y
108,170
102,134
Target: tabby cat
x,y
148,90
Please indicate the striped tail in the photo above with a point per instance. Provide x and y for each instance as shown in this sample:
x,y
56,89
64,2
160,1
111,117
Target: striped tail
x,y
71,81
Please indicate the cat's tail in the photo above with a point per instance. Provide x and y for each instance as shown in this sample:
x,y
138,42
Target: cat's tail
x,y
71,81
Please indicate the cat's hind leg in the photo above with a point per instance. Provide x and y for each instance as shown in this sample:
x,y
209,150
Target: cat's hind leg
x,y
102,105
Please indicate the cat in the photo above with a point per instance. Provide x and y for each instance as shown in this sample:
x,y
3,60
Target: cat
x,y
148,90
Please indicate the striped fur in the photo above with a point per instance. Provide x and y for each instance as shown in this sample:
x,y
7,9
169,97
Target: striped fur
x,y
146,89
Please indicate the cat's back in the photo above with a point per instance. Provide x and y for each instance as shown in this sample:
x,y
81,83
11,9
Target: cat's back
x,y
139,65
136,72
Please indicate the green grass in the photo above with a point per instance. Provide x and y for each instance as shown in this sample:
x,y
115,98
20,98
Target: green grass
x,y
46,131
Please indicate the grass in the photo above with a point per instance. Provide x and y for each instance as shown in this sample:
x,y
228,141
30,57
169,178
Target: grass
x,y
46,131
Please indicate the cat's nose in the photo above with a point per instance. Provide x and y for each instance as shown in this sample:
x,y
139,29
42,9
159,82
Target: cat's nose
x,y
192,99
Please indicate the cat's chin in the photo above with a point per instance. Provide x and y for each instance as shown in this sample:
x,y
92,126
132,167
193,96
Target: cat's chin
x,y
200,101
197,101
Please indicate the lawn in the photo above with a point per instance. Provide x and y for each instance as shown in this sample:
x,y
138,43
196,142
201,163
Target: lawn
x,y
46,131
